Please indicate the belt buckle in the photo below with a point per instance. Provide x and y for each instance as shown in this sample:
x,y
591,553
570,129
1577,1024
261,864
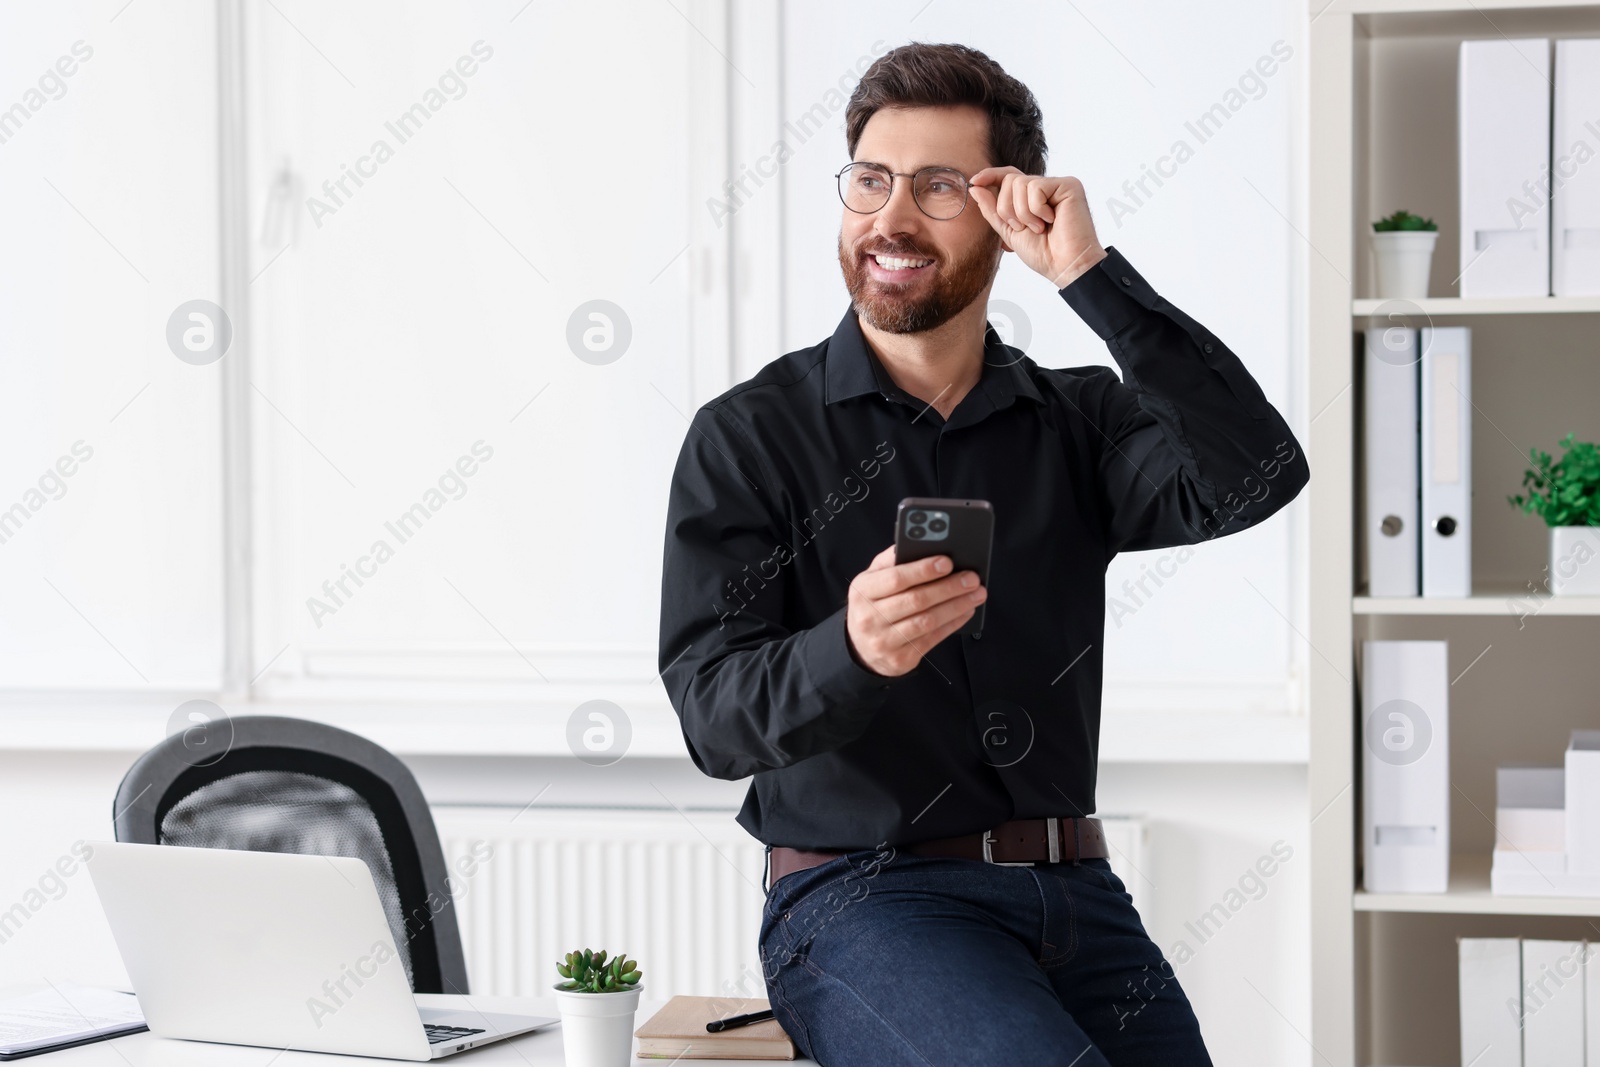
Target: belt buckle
x,y
988,853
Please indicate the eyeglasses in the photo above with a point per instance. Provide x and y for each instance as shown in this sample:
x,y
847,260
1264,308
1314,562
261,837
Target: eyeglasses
x,y
940,192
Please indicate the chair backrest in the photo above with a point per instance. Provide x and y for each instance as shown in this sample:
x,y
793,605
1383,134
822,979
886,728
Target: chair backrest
x,y
268,784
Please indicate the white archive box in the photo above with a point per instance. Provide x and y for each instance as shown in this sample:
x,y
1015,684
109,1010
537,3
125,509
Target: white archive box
x,y
1540,849
1530,812
1575,205
1503,133
1583,802
1491,1001
1405,707
1390,362
1591,1003
1530,832
1445,472
1552,1003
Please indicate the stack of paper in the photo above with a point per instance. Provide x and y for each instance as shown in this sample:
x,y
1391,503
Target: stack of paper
x,y
1547,825
65,1015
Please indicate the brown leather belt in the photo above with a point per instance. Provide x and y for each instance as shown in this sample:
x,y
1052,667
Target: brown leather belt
x,y
1020,842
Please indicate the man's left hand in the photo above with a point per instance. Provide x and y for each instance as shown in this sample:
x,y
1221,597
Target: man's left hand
x,y
1044,220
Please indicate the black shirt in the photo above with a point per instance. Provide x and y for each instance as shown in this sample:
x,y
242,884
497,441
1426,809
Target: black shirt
x,y
786,487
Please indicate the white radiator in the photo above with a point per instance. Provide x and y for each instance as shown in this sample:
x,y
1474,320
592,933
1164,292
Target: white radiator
x,y
681,892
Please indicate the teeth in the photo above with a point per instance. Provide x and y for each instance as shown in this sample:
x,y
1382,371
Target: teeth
x,y
897,263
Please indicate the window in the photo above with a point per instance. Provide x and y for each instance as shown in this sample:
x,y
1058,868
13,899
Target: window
x,y
479,263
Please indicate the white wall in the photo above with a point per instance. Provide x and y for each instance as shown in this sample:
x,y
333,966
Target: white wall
x,y
1248,970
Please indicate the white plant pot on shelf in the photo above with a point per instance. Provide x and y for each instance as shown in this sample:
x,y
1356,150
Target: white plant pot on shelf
x,y
1404,259
1575,560
597,1028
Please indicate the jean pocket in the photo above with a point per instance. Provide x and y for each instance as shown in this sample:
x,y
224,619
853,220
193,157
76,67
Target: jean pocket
x,y
820,896
790,891
1106,878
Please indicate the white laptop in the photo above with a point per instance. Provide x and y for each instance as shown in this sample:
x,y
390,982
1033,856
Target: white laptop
x,y
283,951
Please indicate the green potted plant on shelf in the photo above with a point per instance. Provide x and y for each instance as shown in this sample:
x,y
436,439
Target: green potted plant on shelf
x,y
1402,246
598,999
1565,493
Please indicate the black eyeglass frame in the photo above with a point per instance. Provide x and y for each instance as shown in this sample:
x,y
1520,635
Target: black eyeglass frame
x,y
966,188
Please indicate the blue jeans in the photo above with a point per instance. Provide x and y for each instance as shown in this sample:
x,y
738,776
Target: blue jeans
x,y
881,958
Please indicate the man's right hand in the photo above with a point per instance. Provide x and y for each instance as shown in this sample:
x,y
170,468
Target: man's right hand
x,y
898,612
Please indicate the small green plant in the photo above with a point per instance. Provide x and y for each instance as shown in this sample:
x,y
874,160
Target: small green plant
x,y
1564,492
588,972
1402,220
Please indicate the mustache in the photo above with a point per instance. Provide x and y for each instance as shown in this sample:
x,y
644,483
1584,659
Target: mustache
x,y
908,251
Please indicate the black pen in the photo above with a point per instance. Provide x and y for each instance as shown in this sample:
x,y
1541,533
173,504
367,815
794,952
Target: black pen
x,y
716,1026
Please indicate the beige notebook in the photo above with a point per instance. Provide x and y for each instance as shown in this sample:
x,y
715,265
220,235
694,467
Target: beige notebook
x,y
678,1031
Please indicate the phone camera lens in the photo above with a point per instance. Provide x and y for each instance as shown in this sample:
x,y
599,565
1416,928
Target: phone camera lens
x,y
916,533
937,526
917,518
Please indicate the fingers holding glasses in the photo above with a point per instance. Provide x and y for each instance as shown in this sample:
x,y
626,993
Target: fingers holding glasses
x,y
1020,201
990,189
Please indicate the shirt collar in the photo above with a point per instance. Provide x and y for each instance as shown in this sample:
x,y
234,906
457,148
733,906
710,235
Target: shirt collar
x,y
854,370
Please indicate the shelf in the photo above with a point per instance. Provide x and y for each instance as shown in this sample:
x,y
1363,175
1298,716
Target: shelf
x,y
1452,305
1469,895
1509,602
1451,18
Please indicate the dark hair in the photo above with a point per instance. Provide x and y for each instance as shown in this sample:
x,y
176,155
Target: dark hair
x,y
947,75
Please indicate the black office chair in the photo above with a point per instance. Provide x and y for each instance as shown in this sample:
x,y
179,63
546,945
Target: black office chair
x,y
263,783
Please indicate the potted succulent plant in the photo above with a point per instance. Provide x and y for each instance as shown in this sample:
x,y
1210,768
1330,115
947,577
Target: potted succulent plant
x,y
1566,494
598,1000
1402,245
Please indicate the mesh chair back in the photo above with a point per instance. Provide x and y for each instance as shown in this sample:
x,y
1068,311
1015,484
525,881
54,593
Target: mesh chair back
x,y
291,785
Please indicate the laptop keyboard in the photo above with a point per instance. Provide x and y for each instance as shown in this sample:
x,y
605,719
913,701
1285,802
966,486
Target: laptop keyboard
x,y
437,1034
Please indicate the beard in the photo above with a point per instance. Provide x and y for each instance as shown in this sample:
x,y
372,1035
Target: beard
x,y
924,304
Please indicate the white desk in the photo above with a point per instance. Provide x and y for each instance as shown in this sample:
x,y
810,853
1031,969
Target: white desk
x,y
539,1049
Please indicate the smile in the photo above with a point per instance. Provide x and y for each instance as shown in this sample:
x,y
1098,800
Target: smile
x,y
897,268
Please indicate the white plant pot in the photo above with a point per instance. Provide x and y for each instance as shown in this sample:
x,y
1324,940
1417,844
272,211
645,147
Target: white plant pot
x,y
597,1028
1404,259
1575,560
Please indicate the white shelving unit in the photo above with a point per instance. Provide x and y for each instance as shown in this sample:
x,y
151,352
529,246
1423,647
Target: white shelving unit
x,y
1469,895
1524,664
1453,305
1513,603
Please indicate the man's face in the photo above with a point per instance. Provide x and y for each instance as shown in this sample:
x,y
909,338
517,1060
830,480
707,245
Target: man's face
x,y
960,255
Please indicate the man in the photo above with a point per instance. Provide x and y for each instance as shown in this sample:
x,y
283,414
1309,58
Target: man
x,y
899,764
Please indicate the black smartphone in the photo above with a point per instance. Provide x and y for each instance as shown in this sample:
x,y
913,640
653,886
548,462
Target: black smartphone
x,y
945,526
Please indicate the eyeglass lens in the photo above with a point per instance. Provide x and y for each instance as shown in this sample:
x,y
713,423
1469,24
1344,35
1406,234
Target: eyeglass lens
x,y
941,192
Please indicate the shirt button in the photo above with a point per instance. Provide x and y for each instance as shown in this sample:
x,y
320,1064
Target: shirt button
x,y
1126,280
1208,346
